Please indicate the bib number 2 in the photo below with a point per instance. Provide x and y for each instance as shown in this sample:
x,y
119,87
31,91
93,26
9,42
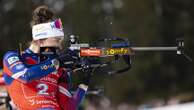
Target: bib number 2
x,y
42,89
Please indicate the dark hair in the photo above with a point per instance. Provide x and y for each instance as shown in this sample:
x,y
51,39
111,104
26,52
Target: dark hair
x,y
42,14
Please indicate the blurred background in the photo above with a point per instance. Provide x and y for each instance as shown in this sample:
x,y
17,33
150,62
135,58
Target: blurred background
x,y
156,79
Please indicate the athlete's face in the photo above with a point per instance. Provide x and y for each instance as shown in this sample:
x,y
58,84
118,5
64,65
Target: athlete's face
x,y
52,42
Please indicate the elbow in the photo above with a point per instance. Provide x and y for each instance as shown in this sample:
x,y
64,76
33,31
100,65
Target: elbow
x,y
22,76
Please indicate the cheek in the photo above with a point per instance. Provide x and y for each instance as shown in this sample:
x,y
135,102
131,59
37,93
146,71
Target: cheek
x,y
47,43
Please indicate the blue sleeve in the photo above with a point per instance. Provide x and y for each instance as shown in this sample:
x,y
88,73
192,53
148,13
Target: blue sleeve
x,y
69,102
18,70
79,96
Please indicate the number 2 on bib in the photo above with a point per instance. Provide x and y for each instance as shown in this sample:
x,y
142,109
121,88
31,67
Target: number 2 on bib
x,y
42,89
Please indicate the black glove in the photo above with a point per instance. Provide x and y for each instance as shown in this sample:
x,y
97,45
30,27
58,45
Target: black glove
x,y
87,71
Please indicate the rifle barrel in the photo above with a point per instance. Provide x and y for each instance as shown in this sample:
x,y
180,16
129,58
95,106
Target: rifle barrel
x,y
154,48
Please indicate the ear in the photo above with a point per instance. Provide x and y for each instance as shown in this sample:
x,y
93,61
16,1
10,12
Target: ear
x,y
35,46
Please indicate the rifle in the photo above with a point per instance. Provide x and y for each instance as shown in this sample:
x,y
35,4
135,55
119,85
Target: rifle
x,y
85,54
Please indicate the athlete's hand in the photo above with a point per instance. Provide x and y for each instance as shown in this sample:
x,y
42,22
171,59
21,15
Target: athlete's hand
x,y
87,71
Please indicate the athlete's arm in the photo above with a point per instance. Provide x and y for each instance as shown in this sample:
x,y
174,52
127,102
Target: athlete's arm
x,y
15,68
69,102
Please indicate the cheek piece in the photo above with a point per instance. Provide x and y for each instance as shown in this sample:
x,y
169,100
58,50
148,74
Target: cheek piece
x,y
51,52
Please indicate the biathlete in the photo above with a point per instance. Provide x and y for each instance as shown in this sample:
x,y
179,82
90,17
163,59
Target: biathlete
x,y
35,81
